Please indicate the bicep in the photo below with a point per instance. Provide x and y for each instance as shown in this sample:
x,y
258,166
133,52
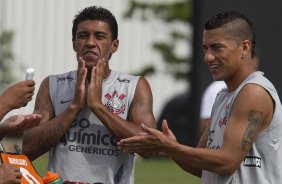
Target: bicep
x,y
141,108
251,112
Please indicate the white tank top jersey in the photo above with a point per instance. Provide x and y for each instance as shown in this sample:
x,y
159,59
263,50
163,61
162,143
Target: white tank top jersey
x,y
88,152
263,163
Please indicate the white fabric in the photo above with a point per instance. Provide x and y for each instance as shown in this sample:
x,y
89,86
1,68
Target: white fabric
x,y
88,152
208,98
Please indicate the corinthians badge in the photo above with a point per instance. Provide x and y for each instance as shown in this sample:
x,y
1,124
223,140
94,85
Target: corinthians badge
x,y
115,103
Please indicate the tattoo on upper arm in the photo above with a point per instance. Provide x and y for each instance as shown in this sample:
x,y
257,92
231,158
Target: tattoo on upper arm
x,y
255,119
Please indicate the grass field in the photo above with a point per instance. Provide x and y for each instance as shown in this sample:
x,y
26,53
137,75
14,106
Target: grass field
x,y
150,171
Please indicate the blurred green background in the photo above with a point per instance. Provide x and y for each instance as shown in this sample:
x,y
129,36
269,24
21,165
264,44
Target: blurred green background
x,y
149,171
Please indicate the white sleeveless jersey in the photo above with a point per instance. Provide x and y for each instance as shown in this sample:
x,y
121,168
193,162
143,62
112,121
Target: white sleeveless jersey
x,y
88,152
263,163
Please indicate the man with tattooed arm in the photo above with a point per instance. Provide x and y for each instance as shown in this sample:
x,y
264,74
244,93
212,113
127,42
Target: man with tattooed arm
x,y
242,143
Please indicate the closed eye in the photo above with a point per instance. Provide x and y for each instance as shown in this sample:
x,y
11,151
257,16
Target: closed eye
x,y
216,46
82,35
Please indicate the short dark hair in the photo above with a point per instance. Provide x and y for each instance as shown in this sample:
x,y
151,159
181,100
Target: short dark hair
x,y
96,13
242,27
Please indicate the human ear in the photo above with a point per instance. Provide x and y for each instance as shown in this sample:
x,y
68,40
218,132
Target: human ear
x,y
246,48
73,45
115,45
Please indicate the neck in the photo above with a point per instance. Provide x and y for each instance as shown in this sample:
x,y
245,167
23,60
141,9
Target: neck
x,y
234,81
106,74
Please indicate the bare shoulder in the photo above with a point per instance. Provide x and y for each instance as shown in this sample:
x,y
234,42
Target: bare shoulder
x,y
142,82
143,90
43,89
43,104
255,96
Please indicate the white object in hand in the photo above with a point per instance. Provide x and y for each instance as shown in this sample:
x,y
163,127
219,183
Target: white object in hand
x,y
29,74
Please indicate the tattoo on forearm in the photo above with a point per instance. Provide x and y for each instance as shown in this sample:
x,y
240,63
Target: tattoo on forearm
x,y
255,120
44,143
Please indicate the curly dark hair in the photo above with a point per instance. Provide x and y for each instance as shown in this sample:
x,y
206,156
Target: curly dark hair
x,y
96,13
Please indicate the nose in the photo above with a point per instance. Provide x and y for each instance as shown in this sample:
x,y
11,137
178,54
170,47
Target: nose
x,y
91,41
208,56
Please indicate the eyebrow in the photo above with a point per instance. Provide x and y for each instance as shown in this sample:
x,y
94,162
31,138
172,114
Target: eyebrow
x,y
86,32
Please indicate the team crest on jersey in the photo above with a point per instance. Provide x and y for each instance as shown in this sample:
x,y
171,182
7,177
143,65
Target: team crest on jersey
x,y
115,102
